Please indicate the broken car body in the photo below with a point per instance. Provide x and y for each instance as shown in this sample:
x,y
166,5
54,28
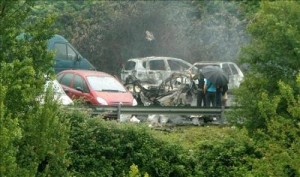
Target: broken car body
x,y
153,70
176,90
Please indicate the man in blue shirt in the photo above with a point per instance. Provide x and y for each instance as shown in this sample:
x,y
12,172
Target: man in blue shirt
x,y
210,93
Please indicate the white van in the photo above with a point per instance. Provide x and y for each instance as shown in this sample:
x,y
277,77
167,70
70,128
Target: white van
x,y
235,74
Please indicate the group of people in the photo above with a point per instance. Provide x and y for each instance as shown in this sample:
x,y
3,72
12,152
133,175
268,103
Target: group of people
x,y
208,93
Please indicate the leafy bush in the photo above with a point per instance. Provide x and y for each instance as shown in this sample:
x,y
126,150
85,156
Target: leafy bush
x,y
270,107
232,156
101,148
269,144
10,133
33,136
134,171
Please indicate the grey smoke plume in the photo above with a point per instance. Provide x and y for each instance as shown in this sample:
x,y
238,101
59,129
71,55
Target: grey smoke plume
x,y
196,34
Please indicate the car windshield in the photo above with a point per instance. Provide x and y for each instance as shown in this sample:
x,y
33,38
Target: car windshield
x,y
105,84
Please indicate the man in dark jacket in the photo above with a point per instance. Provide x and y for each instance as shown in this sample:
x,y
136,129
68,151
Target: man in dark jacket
x,y
201,101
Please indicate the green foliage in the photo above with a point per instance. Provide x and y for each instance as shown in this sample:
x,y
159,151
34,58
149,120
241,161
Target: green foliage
x,y
274,129
45,140
280,142
269,96
33,136
134,171
101,148
231,156
274,50
273,56
10,133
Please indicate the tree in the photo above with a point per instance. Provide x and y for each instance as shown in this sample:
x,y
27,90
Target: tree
x,y
33,136
268,98
272,55
274,50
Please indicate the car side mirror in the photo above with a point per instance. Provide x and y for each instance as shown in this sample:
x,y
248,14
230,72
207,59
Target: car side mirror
x,y
79,89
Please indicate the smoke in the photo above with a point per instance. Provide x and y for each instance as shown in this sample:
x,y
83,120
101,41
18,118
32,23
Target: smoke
x,y
210,31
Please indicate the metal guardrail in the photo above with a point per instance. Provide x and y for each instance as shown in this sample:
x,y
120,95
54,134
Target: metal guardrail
x,y
138,110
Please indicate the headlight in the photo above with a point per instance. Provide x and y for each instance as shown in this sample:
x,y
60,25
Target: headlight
x,y
134,102
101,101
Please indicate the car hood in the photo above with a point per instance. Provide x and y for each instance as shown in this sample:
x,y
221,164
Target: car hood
x,y
114,98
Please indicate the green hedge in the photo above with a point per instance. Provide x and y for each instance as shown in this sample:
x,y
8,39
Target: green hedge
x,y
108,148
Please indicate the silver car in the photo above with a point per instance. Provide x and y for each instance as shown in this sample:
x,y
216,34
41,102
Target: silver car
x,y
153,70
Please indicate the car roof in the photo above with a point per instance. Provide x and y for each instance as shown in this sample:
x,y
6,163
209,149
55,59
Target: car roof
x,y
56,39
212,62
154,57
86,73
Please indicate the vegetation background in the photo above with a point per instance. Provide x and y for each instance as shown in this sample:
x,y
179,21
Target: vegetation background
x,y
262,138
116,31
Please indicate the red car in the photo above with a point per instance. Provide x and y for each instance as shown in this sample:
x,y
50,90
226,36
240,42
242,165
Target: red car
x,y
96,88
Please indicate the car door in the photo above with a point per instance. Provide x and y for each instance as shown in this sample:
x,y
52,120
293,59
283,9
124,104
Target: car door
x,y
81,90
228,71
237,78
128,69
156,70
65,79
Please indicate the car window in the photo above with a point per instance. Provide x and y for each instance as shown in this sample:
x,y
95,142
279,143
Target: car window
x,y
80,83
130,65
226,69
144,64
178,65
200,66
60,50
71,53
98,83
66,79
59,77
157,65
233,69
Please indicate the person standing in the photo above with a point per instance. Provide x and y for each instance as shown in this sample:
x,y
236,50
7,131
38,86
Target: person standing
x,y
219,91
201,100
224,95
210,93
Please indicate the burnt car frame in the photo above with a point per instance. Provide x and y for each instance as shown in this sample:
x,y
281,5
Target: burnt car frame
x,y
176,90
154,70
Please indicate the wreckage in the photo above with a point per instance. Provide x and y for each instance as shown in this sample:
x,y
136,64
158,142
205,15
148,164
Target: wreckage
x,y
176,90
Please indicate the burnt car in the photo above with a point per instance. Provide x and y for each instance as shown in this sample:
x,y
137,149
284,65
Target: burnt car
x,y
152,71
176,90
